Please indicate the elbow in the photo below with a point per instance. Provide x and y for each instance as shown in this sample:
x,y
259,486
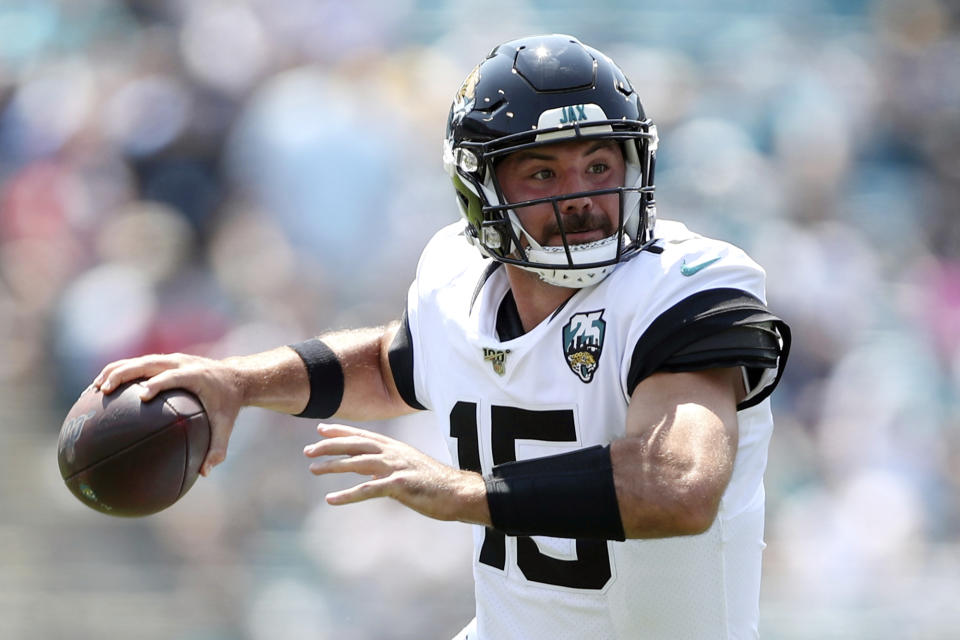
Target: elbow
x,y
686,513
695,506
696,518
666,496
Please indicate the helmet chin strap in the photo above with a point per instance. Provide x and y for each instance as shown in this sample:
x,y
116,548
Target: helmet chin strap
x,y
588,253
521,232
599,251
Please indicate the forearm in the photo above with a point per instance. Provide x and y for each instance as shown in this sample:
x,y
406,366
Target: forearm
x,y
368,390
568,495
275,379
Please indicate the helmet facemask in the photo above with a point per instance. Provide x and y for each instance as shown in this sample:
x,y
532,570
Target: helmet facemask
x,y
495,226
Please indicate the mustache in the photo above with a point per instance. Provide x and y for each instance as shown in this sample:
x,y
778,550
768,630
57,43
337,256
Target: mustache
x,y
578,222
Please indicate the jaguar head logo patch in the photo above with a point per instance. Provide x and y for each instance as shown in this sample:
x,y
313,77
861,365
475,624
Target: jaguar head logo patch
x,y
583,343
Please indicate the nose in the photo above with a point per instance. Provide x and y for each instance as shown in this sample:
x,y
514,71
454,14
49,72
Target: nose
x,y
575,183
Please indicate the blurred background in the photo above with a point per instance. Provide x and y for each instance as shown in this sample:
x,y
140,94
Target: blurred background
x,y
224,176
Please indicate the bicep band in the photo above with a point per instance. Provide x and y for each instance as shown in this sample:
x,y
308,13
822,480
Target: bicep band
x,y
570,495
325,374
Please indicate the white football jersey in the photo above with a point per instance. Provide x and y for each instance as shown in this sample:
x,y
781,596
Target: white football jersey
x,y
565,385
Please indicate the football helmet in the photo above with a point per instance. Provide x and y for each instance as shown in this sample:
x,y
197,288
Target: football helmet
x,y
537,91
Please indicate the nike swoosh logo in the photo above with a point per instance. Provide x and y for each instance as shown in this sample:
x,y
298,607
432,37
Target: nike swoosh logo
x,y
690,269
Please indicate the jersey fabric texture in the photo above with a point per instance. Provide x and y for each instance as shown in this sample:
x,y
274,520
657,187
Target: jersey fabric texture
x,y
566,385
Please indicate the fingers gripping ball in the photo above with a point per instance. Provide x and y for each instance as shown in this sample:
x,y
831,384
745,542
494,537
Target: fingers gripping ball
x,y
124,457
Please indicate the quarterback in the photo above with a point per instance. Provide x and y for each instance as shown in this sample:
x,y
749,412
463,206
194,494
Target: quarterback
x,y
601,377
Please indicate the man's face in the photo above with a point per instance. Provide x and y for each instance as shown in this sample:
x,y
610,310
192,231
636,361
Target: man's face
x,y
562,168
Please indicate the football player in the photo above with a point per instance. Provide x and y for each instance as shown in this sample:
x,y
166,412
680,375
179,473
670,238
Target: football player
x,y
601,377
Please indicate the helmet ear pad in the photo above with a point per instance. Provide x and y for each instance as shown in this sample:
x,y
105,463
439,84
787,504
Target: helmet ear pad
x,y
640,212
470,203
471,207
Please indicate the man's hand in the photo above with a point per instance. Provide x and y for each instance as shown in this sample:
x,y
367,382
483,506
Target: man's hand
x,y
214,382
398,471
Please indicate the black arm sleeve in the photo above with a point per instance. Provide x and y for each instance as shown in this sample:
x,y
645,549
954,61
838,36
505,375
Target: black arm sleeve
x,y
569,495
712,329
400,355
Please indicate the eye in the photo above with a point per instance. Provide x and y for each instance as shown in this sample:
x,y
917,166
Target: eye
x,y
598,167
542,174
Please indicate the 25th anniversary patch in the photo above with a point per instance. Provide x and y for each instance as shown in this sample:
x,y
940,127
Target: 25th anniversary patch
x,y
583,342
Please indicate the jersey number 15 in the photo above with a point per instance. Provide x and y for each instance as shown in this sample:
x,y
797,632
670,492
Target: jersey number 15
x,y
591,569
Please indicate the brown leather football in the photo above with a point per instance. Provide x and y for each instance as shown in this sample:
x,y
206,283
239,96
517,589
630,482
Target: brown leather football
x,y
124,457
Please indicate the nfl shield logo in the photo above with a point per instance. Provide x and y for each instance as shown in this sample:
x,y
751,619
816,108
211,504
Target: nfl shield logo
x,y
498,358
583,343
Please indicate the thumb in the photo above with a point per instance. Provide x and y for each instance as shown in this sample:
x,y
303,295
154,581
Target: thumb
x,y
219,437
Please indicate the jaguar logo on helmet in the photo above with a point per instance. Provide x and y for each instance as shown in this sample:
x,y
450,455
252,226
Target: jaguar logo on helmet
x,y
583,343
464,100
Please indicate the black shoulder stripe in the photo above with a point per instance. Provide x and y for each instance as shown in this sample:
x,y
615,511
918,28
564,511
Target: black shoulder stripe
x,y
400,356
755,345
696,334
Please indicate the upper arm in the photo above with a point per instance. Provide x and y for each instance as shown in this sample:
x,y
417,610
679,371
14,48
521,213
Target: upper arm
x,y
668,398
370,392
676,460
396,366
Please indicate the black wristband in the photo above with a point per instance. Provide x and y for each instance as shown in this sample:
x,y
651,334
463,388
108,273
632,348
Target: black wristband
x,y
325,374
570,495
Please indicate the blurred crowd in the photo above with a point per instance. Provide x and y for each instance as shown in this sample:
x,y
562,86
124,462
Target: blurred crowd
x,y
224,176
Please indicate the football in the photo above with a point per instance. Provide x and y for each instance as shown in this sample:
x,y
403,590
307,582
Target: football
x,y
124,457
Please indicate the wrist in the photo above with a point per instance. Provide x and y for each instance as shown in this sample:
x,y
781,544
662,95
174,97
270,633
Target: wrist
x,y
471,502
240,374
